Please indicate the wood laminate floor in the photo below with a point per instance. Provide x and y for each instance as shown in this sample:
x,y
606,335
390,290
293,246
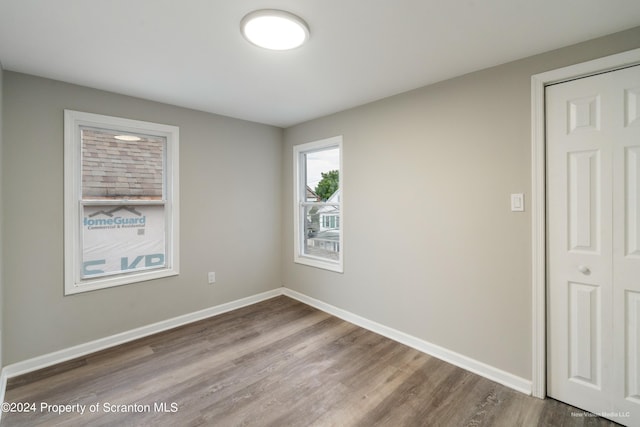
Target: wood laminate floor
x,y
275,363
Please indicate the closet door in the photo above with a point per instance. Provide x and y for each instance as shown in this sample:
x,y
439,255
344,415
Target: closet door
x,y
593,176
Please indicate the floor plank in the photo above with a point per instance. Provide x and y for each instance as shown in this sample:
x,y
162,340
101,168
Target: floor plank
x,y
275,363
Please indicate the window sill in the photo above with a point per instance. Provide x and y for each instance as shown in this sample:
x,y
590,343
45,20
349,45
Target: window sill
x,y
319,263
72,288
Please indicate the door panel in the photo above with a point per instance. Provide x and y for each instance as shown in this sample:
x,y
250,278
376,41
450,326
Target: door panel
x,y
584,200
633,346
632,202
632,106
584,334
584,114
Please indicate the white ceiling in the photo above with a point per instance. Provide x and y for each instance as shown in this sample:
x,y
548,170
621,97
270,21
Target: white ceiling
x,y
190,52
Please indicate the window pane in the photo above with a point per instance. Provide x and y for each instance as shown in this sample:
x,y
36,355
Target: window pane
x,y
122,239
121,166
322,174
321,234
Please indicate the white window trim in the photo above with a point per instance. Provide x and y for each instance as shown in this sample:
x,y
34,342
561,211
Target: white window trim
x,y
299,197
73,120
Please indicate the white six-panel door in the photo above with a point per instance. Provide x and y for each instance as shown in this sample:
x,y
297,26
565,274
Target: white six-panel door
x,y
593,176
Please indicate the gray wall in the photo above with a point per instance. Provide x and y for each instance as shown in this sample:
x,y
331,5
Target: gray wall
x,y
430,245
230,192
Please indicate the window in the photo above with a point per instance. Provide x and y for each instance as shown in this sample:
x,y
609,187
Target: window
x,y
318,203
121,201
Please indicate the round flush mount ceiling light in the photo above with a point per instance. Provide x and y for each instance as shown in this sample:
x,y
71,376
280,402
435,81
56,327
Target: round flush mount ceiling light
x,y
274,29
129,138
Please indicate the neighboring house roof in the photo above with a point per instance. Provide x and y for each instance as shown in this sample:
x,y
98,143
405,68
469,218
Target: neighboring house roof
x,y
114,169
311,195
335,198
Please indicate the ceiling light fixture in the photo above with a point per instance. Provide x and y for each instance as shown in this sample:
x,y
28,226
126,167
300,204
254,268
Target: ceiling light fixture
x,y
274,29
130,138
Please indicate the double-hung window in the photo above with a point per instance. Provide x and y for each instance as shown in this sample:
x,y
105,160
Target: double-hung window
x,y
318,203
121,201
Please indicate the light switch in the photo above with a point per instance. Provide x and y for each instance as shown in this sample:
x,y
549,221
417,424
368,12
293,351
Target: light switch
x,y
517,202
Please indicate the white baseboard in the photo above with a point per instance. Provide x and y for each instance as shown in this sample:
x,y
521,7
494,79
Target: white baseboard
x,y
464,362
3,386
60,356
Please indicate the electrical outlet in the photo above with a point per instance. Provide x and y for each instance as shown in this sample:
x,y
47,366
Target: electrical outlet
x,y
212,277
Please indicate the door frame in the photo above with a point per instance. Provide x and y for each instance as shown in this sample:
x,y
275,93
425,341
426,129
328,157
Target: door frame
x,y
538,200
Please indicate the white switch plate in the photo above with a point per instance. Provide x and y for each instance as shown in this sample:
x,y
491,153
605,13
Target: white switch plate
x,y
212,277
517,202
